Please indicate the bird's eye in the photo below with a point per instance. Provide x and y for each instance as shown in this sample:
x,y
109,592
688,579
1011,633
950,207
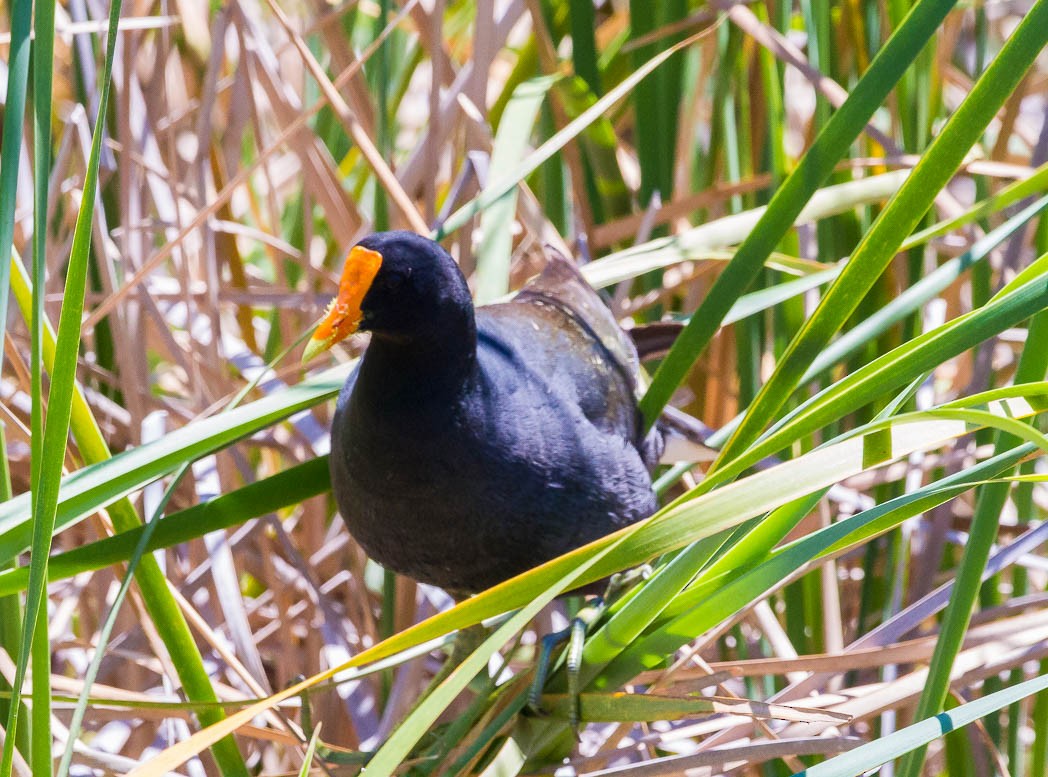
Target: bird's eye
x,y
394,282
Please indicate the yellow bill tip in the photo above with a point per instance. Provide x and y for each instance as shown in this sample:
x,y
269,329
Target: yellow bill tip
x,y
314,347
344,314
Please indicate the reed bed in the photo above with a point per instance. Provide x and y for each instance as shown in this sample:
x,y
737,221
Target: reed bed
x,y
844,201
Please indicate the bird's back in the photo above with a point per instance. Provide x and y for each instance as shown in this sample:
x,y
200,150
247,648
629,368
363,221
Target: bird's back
x,y
581,351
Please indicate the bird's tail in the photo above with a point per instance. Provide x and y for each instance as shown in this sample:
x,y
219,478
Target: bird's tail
x,y
683,436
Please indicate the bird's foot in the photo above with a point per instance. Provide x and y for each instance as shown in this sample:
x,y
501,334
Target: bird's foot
x,y
575,637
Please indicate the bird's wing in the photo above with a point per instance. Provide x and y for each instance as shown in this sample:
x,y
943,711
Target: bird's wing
x,y
561,284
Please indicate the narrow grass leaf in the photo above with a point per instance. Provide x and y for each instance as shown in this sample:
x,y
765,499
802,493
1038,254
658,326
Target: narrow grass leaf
x,y
129,574
693,243
1034,184
415,725
311,749
511,141
1033,365
11,148
918,735
161,604
35,634
919,293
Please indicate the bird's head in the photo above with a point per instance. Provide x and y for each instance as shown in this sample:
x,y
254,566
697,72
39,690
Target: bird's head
x,y
395,284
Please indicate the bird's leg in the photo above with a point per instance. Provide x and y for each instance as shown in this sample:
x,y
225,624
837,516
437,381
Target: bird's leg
x,y
575,637
466,641
621,582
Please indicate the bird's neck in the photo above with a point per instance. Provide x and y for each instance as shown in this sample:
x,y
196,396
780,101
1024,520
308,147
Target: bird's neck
x,y
431,365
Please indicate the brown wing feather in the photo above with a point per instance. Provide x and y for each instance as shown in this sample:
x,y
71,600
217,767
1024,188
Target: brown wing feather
x,y
562,284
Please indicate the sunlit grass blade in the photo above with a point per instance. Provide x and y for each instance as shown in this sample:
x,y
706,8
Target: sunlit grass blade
x,y
47,476
10,613
170,623
919,293
137,555
720,233
35,648
414,726
1036,183
722,596
642,707
10,151
496,242
918,735
311,748
681,615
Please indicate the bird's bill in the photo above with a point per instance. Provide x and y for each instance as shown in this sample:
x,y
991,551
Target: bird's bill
x,y
343,314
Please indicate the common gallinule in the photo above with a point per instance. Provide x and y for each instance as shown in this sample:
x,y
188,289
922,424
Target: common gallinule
x,y
472,445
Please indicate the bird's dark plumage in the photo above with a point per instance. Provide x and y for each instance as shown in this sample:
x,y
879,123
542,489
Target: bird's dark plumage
x,y
472,446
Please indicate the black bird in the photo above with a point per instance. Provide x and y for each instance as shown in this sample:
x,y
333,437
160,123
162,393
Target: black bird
x,y
472,445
